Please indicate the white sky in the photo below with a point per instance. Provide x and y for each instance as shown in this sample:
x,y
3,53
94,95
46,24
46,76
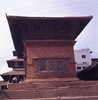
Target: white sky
x,y
87,38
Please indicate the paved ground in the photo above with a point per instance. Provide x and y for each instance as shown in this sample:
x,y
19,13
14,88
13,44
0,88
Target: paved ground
x,y
63,98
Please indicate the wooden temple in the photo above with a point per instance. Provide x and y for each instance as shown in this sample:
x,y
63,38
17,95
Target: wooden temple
x,y
46,44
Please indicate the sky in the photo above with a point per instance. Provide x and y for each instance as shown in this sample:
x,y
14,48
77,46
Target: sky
x,y
88,38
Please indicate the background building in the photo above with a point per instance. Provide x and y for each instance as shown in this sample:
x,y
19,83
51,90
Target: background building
x,y
18,70
82,59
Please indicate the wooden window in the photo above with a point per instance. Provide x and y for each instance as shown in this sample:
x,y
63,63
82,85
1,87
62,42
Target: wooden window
x,y
61,65
83,56
51,64
78,67
41,65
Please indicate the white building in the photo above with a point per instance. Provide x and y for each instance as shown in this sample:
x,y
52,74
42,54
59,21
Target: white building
x,y
82,59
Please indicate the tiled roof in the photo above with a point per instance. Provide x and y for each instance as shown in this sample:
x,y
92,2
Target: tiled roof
x,y
16,60
60,28
15,72
3,83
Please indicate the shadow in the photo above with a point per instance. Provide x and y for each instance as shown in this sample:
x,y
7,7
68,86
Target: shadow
x,y
90,73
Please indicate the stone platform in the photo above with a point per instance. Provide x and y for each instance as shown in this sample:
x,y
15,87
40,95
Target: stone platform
x,y
51,89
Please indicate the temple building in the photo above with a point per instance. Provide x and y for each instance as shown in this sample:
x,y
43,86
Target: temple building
x,y
46,45
18,70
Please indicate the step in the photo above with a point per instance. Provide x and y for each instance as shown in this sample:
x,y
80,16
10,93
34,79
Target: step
x,y
45,89
50,85
28,94
64,98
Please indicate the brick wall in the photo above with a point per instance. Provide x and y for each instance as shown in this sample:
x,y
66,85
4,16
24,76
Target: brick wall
x,y
63,50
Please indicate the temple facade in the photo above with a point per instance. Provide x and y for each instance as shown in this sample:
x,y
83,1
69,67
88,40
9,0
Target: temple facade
x,y
46,44
50,59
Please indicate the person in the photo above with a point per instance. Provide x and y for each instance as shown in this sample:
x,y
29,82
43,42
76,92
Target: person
x,y
14,80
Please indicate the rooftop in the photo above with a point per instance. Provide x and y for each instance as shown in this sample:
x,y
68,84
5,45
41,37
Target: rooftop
x,y
44,28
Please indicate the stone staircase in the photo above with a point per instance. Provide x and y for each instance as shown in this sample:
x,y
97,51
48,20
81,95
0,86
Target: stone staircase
x,y
52,89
